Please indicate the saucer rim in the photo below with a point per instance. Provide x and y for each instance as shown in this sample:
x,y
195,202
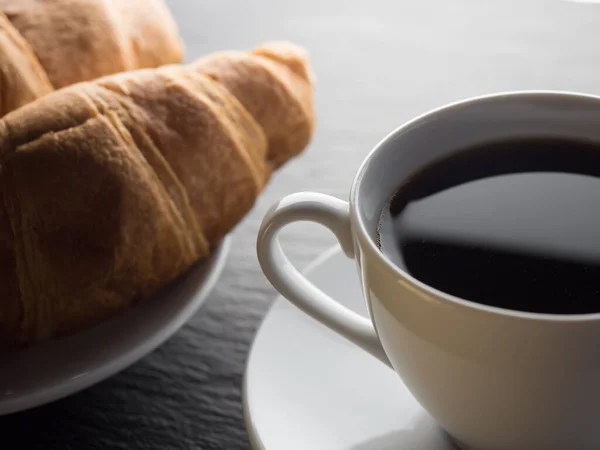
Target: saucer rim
x,y
251,429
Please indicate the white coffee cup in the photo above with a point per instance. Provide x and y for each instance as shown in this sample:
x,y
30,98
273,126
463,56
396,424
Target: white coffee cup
x,y
494,379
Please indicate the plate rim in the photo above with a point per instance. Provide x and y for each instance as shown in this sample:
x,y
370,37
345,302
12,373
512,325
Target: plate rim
x,y
251,429
131,355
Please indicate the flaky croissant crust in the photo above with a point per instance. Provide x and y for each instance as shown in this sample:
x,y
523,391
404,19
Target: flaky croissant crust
x,y
111,189
49,44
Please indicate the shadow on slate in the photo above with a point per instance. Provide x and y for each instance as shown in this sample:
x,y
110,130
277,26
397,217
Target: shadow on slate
x,y
183,396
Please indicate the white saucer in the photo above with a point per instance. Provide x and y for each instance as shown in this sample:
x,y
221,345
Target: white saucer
x,y
61,367
307,388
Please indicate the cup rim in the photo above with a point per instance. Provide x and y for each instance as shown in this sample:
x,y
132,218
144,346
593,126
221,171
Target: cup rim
x,y
374,251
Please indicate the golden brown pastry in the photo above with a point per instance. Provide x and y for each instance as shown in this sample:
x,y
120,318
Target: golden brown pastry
x,y
48,44
113,188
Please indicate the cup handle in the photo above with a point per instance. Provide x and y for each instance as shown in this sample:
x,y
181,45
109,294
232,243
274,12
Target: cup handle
x,y
334,214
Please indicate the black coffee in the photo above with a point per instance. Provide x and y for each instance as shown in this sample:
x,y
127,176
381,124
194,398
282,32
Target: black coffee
x,y
513,224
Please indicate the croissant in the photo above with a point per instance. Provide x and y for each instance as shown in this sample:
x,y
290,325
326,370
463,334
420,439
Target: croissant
x,y
48,44
111,189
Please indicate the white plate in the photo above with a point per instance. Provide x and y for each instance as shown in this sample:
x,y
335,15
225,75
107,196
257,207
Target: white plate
x,y
61,367
307,388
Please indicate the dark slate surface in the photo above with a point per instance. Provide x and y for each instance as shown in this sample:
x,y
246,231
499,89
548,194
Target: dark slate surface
x,y
378,64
